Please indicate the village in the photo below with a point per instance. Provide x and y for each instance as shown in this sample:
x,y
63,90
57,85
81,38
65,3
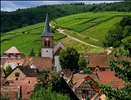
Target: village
x,y
25,70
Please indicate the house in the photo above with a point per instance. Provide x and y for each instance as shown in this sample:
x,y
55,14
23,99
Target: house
x,y
38,63
81,87
47,49
21,72
100,62
19,88
12,53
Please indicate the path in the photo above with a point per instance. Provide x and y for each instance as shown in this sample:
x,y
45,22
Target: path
x,y
62,31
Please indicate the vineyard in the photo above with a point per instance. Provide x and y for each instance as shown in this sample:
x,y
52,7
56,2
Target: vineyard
x,y
88,27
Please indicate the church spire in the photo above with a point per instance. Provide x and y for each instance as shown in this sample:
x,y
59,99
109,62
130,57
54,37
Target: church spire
x,y
47,31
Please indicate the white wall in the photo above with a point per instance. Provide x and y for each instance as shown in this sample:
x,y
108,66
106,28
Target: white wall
x,y
57,63
47,52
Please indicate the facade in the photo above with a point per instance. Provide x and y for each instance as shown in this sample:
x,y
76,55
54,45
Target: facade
x,y
56,53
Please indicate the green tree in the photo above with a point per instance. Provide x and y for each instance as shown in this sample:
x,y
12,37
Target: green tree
x,y
32,52
118,32
8,70
122,70
48,94
69,58
82,63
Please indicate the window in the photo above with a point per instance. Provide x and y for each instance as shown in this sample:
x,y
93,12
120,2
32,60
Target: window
x,y
48,43
45,43
85,91
103,69
17,74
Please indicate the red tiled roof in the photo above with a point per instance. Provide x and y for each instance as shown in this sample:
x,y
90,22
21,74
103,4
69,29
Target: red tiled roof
x,y
78,79
110,79
41,63
102,60
13,49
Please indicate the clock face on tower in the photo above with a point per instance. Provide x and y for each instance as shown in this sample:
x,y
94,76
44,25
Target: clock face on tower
x,y
47,39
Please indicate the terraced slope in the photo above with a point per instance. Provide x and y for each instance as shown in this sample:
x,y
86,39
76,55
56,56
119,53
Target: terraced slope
x,y
88,27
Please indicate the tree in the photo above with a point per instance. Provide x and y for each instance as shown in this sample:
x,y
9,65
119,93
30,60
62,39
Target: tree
x,y
49,87
82,63
122,70
32,52
69,58
118,32
48,94
8,70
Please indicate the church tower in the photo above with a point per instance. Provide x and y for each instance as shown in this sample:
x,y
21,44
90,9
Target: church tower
x,y
47,41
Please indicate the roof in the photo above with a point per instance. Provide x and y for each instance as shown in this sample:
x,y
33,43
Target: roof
x,y
41,63
102,60
27,71
109,78
13,49
47,31
58,47
26,84
78,79
12,65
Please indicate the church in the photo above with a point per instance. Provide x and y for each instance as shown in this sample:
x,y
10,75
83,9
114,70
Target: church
x,y
47,48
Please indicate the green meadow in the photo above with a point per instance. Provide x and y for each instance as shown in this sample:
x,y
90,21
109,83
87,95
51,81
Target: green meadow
x,y
89,27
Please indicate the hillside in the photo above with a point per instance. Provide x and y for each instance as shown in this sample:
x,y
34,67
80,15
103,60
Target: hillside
x,y
30,16
88,27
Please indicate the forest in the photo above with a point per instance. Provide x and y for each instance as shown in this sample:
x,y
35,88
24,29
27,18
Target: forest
x,y
29,16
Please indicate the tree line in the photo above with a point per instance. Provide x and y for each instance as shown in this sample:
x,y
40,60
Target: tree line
x,y
24,17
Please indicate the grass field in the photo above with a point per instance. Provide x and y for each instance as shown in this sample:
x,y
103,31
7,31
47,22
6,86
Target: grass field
x,y
88,27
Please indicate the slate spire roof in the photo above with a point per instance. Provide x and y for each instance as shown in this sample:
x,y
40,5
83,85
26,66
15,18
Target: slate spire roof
x,y
47,31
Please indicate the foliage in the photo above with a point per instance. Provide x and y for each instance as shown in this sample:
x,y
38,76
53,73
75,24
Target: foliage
x,y
82,63
32,52
30,35
5,97
8,70
29,16
58,36
49,87
116,34
48,94
122,70
69,58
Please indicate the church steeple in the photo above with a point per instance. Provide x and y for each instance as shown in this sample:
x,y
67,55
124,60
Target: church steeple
x,y
47,40
47,31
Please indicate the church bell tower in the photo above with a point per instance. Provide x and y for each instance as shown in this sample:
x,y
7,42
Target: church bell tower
x,y
47,40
